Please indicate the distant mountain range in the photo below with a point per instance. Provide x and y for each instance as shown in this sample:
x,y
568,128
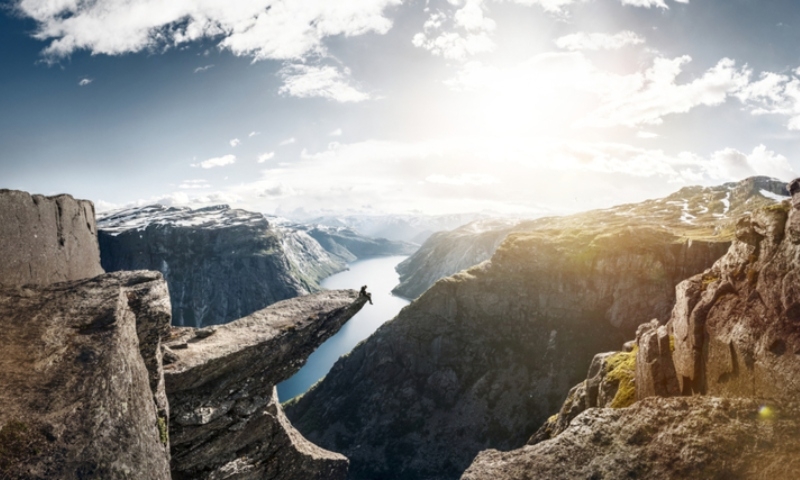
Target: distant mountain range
x,y
222,263
698,212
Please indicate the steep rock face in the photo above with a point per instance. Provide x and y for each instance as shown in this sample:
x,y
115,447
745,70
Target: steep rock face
x,y
699,212
46,239
80,370
736,325
445,253
660,438
221,264
226,420
484,357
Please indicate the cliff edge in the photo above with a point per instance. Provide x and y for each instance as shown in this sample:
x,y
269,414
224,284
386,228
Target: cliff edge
x,y
226,420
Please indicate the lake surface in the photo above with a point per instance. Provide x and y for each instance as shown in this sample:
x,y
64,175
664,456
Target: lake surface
x,y
379,275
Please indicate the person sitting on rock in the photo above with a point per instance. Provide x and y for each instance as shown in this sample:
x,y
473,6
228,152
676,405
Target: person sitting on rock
x,y
365,293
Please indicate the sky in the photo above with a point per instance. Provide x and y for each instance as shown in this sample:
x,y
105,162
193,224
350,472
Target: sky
x,y
507,107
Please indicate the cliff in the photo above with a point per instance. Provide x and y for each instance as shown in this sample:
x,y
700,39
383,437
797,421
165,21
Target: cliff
x,y
46,239
729,348
226,420
82,391
220,263
692,211
484,357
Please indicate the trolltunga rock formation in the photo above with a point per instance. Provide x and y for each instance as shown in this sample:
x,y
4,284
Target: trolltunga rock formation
x,y
81,388
226,421
46,239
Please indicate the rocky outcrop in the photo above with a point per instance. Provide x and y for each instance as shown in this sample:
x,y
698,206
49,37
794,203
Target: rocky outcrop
x,y
46,239
82,393
482,358
661,439
226,421
220,263
692,211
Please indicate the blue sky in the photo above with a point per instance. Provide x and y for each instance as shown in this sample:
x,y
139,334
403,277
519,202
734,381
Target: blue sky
x,y
525,107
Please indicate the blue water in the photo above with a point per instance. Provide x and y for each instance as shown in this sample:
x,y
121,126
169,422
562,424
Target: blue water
x,y
379,275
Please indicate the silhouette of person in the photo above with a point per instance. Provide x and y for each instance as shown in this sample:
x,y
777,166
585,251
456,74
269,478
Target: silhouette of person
x,y
365,293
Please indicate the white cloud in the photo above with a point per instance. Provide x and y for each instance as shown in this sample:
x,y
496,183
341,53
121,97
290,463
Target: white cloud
x,y
235,142
261,29
731,164
336,133
645,98
265,156
193,184
203,69
650,3
646,135
288,141
300,80
598,41
774,94
85,81
253,134
553,6
463,179
216,162
473,39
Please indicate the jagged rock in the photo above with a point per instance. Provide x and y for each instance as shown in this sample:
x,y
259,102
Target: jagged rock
x,y
610,383
484,357
80,374
736,325
220,263
661,438
46,239
655,370
227,423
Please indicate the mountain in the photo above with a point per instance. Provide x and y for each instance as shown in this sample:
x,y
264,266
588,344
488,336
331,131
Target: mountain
x,y
692,211
346,245
96,385
407,228
717,383
484,357
222,263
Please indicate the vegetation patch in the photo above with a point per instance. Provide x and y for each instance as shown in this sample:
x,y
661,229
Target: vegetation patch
x,y
163,431
621,368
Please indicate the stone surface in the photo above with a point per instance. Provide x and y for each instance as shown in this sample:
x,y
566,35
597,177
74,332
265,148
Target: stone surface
x,y
46,239
655,369
661,438
82,396
220,263
736,325
484,357
226,422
